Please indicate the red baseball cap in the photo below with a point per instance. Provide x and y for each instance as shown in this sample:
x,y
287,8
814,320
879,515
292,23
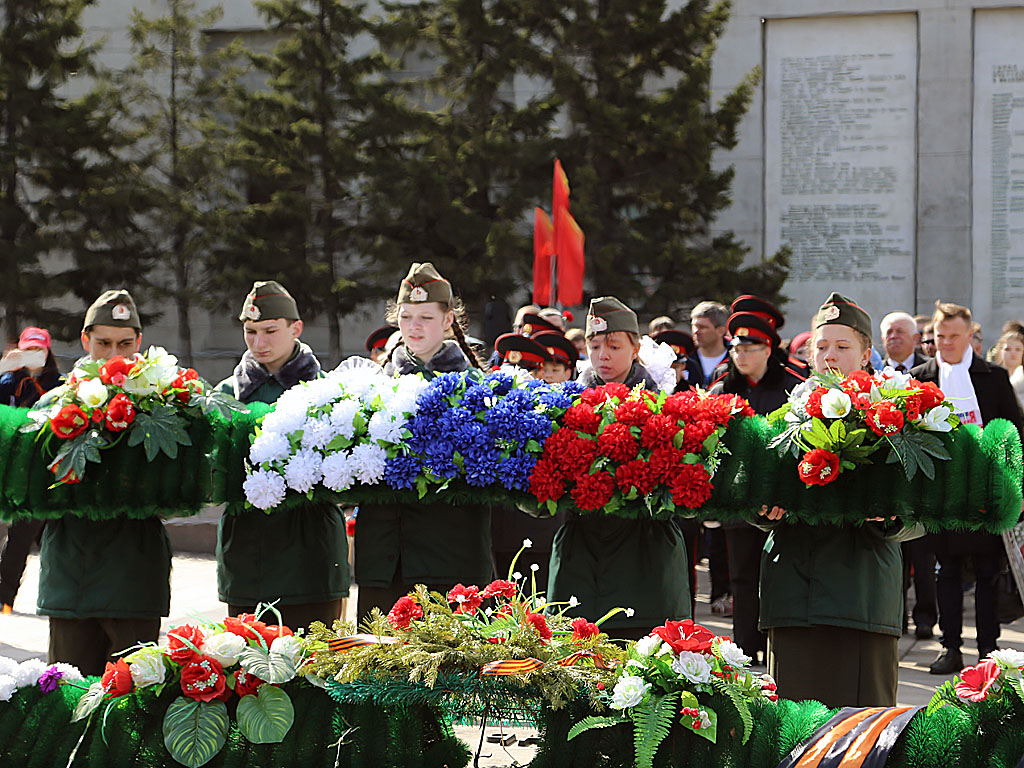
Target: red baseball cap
x,y
34,337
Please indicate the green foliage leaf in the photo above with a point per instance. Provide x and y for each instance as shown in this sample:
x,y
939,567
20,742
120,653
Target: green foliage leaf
x,y
711,732
944,694
652,721
266,716
589,723
195,731
267,665
735,695
161,430
74,454
215,401
89,702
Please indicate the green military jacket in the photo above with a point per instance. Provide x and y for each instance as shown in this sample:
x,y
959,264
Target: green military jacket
x,y
295,556
104,569
434,544
840,577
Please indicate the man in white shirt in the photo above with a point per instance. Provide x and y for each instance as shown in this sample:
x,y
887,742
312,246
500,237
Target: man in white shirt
x,y
899,333
708,324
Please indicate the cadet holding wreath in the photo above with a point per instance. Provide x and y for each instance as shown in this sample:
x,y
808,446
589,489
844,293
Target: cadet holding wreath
x,y
398,546
296,557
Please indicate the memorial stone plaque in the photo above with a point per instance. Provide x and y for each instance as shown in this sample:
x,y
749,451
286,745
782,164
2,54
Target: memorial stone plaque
x,y
841,157
998,169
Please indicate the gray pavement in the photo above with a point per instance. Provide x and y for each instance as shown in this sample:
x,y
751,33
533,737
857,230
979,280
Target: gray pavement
x,y
23,635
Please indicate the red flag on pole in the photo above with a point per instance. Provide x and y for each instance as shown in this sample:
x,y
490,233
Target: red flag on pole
x,y
569,247
543,250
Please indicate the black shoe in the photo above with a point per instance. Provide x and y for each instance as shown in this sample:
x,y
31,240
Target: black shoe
x,y
924,633
949,662
984,652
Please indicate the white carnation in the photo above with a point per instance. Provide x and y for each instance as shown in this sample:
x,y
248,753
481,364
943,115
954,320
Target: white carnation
x,y
732,654
629,691
224,647
322,391
337,469
342,414
368,463
92,392
70,672
29,672
269,447
147,669
317,433
7,687
264,489
1008,658
8,666
646,646
386,426
303,470
692,666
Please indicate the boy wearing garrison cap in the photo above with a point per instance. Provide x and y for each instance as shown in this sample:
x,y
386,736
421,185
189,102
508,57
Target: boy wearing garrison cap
x,y
105,584
613,346
296,558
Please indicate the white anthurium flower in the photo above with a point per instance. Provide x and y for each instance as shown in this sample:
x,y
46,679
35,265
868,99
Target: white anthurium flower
x,y
692,666
732,654
835,404
224,647
1008,658
147,668
92,392
629,691
646,646
936,419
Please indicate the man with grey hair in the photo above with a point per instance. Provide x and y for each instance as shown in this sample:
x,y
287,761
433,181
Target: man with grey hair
x,y
901,338
708,324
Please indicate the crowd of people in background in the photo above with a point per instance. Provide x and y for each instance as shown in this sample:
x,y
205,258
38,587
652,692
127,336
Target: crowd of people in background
x,y
845,590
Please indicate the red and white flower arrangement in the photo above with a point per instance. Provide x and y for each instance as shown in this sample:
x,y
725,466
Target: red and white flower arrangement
x,y
618,449
146,398
992,679
835,423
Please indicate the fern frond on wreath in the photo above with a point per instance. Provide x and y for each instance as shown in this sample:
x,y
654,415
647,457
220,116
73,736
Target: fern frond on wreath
x,y
736,697
589,723
652,722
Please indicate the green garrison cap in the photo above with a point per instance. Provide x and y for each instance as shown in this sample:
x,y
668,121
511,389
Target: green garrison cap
x,y
840,310
116,308
424,283
608,315
269,300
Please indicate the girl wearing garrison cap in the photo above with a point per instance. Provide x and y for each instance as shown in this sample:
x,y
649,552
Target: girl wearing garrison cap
x,y
399,546
608,562
835,589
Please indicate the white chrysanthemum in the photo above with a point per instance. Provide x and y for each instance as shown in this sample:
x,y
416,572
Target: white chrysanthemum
x,y
317,433
284,420
1008,658
29,672
342,414
264,489
360,381
224,647
147,669
368,463
412,386
692,666
732,654
337,471
269,447
628,692
8,666
386,426
70,672
646,646
7,687
322,391
303,470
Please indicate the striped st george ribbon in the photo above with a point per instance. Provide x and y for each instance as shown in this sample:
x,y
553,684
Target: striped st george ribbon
x,y
853,738
511,667
574,658
342,644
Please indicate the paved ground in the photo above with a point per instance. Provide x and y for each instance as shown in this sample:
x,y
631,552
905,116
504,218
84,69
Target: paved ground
x,y
23,635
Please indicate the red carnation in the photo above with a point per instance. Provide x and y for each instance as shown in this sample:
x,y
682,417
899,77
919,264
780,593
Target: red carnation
x,y
685,635
69,422
884,418
813,405
616,441
203,679
717,408
600,395
593,491
582,417
404,612
857,382
695,433
120,412
616,389
682,405
659,431
577,455
634,413
665,461
546,482
468,598
178,643
691,486
115,370
636,474
246,683
818,467
540,624
500,588
117,679
582,629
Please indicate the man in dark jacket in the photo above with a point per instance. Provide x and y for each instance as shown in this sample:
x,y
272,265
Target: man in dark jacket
x,y
978,392
297,558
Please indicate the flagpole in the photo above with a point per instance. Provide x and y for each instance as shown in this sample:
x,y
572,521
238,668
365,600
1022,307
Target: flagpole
x,y
553,295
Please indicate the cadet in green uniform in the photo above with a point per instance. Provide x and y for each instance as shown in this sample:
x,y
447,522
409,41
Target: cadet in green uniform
x,y
104,584
832,598
606,561
398,546
298,557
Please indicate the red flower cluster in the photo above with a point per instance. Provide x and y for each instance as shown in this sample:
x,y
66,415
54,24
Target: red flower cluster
x,y
691,486
245,625
183,643
117,679
404,612
813,405
582,629
203,679
469,599
818,467
115,370
120,412
186,383
540,625
884,418
501,588
69,422
246,683
685,635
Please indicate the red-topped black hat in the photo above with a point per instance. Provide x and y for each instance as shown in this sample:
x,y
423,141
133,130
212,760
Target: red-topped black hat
x,y
521,350
680,341
535,324
755,305
751,328
379,338
558,347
